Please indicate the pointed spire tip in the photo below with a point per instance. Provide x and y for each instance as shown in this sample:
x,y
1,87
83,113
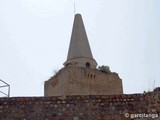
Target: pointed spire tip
x,y
77,14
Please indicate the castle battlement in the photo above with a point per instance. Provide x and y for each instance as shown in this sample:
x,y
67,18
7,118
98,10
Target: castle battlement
x,y
83,107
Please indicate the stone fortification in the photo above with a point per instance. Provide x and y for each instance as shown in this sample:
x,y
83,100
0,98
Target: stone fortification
x,y
80,75
90,107
83,81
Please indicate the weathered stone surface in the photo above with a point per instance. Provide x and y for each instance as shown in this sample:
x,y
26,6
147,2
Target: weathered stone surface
x,y
79,53
81,81
82,107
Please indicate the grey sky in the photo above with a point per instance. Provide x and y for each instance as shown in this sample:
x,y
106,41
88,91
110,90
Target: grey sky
x,y
35,36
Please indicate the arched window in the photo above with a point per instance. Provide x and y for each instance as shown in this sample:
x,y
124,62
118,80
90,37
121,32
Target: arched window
x,y
87,65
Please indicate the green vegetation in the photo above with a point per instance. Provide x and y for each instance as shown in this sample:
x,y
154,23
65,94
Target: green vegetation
x,y
104,69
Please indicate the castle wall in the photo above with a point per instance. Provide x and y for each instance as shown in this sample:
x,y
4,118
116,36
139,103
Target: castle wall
x,y
83,81
93,107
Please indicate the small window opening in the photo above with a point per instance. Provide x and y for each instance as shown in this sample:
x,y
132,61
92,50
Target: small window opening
x,y
87,65
88,75
91,76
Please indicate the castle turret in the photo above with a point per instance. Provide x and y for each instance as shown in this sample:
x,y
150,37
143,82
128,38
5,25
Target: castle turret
x,y
79,53
80,76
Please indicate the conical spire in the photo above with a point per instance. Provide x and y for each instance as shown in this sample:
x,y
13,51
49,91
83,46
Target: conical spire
x,y
79,45
79,53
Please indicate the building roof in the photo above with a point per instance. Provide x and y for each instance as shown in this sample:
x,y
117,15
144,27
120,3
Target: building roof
x,y
79,45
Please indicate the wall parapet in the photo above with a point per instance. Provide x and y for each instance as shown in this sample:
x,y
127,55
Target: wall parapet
x,y
90,107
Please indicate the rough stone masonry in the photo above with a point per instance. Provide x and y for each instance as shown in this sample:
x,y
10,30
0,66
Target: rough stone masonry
x,y
90,107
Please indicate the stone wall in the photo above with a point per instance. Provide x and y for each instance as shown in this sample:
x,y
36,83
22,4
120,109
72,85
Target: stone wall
x,y
95,107
83,81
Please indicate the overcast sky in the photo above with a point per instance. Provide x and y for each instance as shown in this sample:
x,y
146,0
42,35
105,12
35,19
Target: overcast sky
x,y
35,36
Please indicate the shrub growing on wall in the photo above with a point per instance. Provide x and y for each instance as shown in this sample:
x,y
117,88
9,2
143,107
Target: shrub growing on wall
x,y
104,69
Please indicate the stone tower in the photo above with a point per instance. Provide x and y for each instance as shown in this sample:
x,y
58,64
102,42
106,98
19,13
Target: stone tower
x,y
79,53
79,75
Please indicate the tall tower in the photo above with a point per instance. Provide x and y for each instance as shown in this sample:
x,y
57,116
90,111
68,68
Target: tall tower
x,y
79,75
79,53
